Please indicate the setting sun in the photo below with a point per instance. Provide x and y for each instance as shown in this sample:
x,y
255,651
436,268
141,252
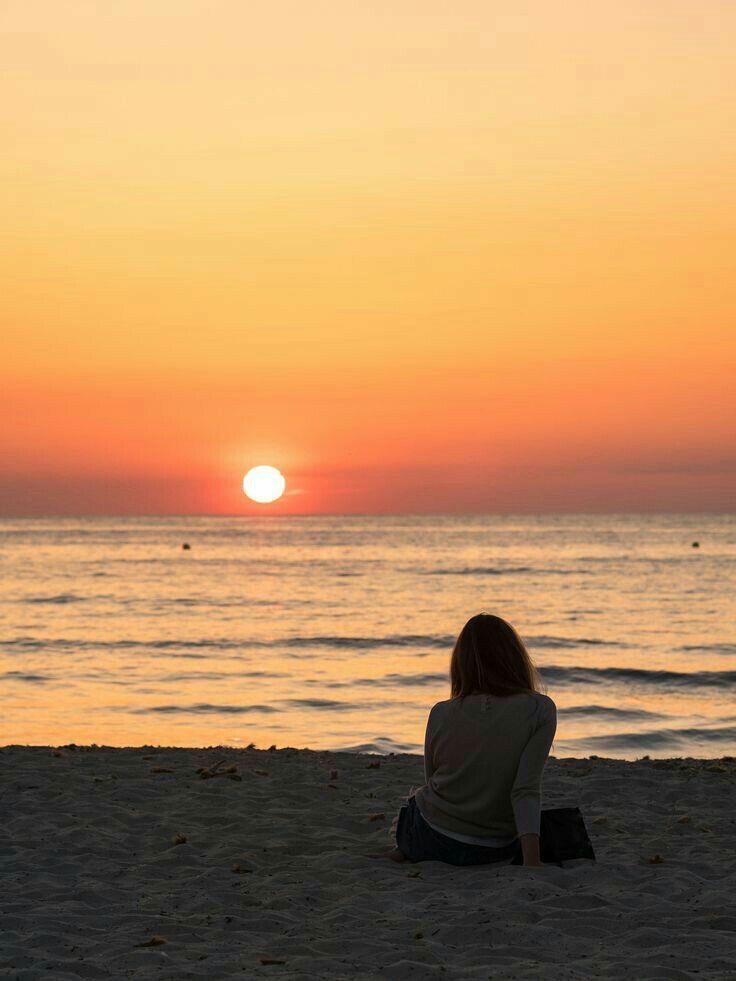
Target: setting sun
x,y
264,484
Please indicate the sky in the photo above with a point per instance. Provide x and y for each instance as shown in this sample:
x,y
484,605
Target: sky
x,y
420,256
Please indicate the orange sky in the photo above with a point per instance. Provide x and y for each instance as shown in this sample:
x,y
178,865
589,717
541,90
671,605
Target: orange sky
x,y
421,256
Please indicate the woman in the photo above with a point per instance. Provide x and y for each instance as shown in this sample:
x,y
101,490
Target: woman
x,y
484,753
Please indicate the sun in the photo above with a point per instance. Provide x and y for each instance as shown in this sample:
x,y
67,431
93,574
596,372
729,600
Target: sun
x,y
264,484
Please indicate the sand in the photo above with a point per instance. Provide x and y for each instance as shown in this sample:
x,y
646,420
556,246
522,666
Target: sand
x,y
125,863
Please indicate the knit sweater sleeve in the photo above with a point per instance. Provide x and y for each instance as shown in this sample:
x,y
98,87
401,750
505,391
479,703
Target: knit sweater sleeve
x,y
526,791
429,766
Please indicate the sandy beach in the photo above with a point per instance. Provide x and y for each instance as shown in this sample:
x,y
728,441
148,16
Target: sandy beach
x,y
127,863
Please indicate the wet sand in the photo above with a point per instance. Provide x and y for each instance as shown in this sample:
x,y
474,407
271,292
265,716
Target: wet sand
x,y
127,863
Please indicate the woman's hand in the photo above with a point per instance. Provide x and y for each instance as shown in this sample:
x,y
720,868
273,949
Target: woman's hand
x,y
530,850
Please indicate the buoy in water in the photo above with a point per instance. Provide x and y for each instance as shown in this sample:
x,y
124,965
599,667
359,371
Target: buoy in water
x,y
186,546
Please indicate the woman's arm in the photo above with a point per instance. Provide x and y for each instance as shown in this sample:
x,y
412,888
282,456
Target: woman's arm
x,y
526,792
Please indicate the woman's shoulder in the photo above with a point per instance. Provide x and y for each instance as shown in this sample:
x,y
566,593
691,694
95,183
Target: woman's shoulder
x,y
544,704
439,713
440,708
534,704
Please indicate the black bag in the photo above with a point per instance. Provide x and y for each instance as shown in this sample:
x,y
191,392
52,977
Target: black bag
x,y
562,836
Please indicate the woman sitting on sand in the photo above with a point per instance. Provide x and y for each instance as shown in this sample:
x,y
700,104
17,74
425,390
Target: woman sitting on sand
x,y
484,753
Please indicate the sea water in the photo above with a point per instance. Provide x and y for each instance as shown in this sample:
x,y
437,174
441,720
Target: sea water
x,y
336,632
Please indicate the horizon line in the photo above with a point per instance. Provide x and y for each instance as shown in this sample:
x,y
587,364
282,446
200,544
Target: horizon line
x,y
366,514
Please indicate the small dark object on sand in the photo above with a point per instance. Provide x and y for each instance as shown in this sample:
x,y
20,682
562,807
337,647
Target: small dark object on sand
x,y
186,546
696,544
206,772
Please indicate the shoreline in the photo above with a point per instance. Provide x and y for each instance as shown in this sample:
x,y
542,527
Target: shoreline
x,y
671,761
127,862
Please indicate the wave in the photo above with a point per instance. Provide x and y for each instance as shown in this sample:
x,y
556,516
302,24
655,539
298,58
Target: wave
x,y
221,675
545,640
213,603
79,644
708,649
517,570
685,679
382,745
366,643
207,708
560,675
60,598
125,644
383,681
23,676
202,708
481,571
228,643
609,711
663,738
322,703
429,678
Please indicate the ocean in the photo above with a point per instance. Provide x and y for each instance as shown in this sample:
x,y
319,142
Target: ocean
x,y
336,632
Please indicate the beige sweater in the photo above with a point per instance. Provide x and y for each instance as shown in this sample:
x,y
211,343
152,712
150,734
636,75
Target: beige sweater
x,y
483,761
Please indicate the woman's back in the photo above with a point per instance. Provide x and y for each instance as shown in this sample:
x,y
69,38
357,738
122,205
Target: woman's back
x,y
484,757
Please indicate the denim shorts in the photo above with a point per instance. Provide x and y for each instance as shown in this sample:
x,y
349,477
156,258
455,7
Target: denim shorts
x,y
562,837
421,843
